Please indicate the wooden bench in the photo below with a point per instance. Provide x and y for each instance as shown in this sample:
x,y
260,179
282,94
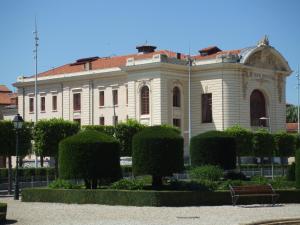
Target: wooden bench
x,y
252,191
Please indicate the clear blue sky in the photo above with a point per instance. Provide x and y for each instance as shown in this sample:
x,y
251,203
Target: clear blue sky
x,y
70,30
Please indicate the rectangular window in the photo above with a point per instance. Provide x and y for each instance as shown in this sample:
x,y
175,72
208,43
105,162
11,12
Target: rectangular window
x,y
76,102
31,105
101,98
54,102
115,97
101,121
43,101
206,108
77,121
115,120
176,123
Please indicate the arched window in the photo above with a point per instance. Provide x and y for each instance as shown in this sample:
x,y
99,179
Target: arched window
x,y
176,97
145,100
257,108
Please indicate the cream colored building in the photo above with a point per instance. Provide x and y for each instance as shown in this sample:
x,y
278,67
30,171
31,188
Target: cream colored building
x,y
245,87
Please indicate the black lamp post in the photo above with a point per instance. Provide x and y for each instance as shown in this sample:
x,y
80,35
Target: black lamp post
x,y
18,123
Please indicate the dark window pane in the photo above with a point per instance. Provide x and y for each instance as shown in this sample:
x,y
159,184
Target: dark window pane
x,y
145,100
101,120
115,97
31,104
206,108
54,103
76,102
101,98
176,122
257,108
42,104
176,97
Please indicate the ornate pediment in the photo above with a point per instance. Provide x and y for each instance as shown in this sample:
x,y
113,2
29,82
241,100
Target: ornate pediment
x,y
265,58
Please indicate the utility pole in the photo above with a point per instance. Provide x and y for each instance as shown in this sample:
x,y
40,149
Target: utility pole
x,y
298,98
36,39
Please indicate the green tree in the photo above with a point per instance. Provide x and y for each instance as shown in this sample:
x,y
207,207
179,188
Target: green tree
x,y
157,151
291,113
48,133
89,155
243,140
8,143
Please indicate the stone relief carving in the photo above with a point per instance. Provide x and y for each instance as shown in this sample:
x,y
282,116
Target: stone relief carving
x,y
280,86
265,59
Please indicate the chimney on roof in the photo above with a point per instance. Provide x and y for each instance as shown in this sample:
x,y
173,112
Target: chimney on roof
x,y
145,48
209,50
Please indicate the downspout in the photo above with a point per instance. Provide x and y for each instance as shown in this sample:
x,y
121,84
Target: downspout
x,y
92,106
222,94
62,100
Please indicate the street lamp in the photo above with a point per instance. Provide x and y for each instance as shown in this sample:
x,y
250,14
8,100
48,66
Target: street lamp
x,y
269,128
18,123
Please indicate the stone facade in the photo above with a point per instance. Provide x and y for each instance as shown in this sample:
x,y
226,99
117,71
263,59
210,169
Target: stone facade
x,y
229,76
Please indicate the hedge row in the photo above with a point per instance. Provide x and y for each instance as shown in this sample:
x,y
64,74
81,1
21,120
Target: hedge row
x,y
28,172
3,210
146,198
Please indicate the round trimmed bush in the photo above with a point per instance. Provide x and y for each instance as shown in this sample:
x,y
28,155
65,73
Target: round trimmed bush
x,y
298,168
89,155
157,151
263,143
214,148
285,144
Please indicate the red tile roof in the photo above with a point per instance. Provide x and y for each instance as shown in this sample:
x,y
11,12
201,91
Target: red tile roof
x,y
3,88
119,61
292,127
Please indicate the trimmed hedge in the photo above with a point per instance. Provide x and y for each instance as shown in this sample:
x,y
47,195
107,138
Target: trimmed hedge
x,y
3,211
146,198
215,148
285,144
89,155
263,143
157,151
298,169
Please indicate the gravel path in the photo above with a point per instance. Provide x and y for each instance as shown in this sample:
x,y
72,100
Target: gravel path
x,y
21,213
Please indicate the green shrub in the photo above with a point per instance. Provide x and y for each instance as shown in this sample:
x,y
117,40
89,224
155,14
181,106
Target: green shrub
x,y
63,184
208,172
126,184
123,132
224,185
297,171
291,176
157,151
243,140
215,148
48,133
89,155
109,130
3,211
282,183
263,143
260,180
193,185
233,175
285,144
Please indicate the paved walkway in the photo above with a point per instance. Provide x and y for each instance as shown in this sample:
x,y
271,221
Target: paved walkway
x,y
21,213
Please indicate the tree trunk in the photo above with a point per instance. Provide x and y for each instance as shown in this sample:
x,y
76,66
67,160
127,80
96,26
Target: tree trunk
x,y
42,161
56,165
20,161
87,184
9,177
282,167
94,183
261,166
239,163
156,181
